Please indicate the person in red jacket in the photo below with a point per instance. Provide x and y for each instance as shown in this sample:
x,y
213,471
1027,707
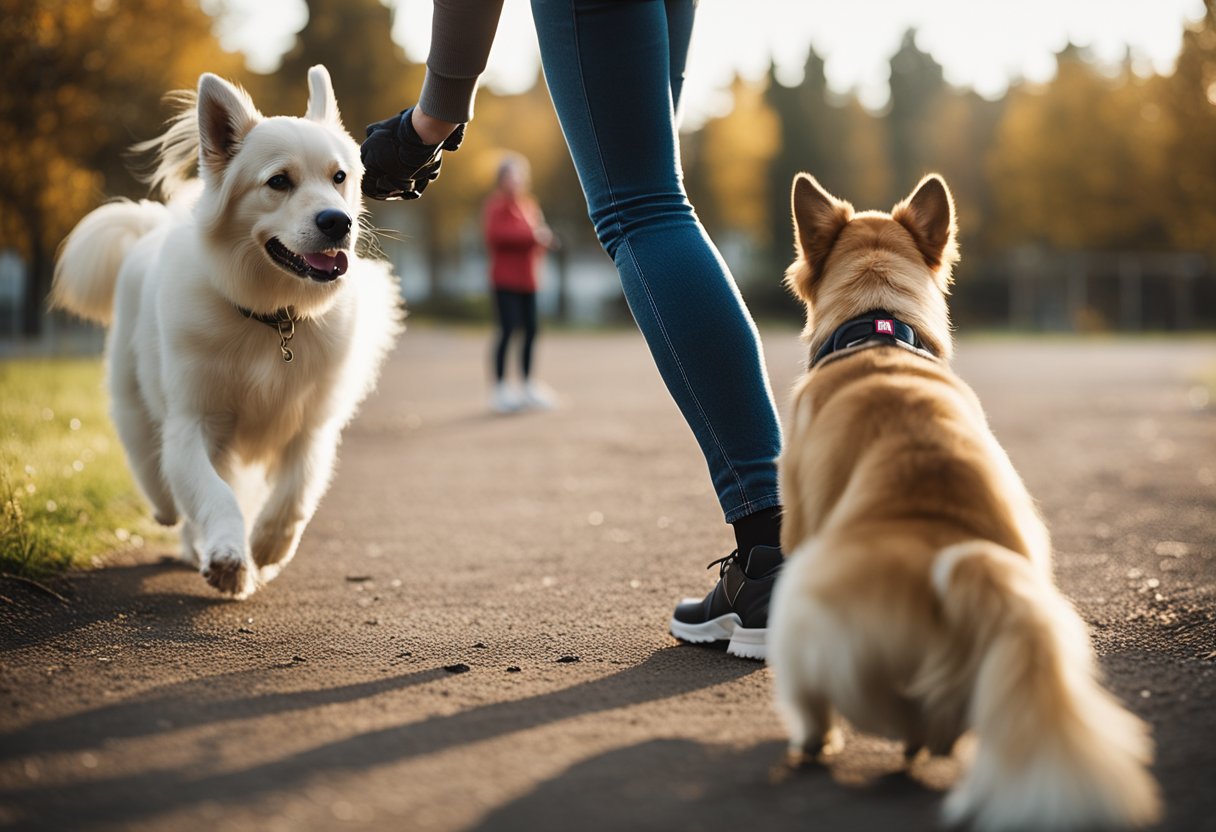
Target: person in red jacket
x,y
516,238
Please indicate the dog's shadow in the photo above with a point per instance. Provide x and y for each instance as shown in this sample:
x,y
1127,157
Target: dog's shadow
x,y
681,784
127,797
654,784
81,599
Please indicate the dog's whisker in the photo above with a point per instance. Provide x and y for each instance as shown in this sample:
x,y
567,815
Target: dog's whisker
x,y
391,233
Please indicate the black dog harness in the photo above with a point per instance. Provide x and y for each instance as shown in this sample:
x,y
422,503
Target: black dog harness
x,y
283,321
873,328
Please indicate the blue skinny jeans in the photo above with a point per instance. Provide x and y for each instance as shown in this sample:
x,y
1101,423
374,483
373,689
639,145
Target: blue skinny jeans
x,y
615,69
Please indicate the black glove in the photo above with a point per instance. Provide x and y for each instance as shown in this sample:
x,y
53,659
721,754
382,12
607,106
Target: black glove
x,y
397,164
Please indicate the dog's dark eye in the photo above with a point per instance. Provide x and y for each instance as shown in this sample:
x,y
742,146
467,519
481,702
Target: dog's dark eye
x,y
279,182
339,177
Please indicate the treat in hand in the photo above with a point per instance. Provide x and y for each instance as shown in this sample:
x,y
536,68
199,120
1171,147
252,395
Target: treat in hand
x,y
397,163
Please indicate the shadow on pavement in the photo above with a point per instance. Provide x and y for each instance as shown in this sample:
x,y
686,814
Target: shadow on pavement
x,y
99,595
188,705
680,784
667,673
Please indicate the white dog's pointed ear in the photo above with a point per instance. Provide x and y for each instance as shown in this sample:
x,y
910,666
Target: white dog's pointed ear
x,y
322,104
225,116
928,214
819,218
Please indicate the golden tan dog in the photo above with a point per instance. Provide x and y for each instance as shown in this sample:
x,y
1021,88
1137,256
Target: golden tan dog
x,y
917,601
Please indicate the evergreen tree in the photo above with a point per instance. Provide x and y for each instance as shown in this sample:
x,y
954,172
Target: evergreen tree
x,y
809,139
917,85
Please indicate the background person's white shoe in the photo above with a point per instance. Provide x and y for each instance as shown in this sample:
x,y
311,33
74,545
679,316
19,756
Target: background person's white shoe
x,y
538,396
504,399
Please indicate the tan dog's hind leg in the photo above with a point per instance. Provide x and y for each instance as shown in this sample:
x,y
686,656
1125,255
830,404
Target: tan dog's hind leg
x,y
811,724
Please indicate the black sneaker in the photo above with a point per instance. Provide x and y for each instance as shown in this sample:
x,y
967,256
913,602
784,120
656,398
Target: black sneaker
x,y
737,608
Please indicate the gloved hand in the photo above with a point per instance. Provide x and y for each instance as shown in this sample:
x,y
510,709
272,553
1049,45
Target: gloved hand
x,y
397,163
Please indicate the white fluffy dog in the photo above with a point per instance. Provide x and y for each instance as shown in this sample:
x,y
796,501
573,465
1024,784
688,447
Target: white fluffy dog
x,y
244,329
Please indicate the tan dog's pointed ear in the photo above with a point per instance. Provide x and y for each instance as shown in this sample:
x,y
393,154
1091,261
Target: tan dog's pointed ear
x,y
819,218
322,104
928,214
225,116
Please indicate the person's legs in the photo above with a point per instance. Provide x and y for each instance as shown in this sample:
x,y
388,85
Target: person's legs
x,y
506,326
527,315
504,399
680,15
614,72
534,395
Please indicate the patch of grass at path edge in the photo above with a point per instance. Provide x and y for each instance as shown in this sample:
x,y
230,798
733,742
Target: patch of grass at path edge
x,y
66,496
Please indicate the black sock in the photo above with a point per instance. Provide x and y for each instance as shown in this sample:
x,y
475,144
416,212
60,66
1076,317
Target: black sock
x,y
761,528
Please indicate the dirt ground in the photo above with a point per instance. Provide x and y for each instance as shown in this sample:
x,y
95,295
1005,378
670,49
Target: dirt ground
x,y
473,635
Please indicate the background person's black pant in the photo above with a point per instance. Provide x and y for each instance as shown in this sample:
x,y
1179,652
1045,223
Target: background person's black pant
x,y
516,311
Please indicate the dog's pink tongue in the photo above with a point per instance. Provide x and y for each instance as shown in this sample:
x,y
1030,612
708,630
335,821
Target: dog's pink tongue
x,y
334,264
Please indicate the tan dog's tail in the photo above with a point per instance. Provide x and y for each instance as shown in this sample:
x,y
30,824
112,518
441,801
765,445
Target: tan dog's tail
x,y
89,261
1056,751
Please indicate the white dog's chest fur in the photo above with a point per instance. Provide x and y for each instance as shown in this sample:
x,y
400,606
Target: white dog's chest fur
x,y
230,369
253,401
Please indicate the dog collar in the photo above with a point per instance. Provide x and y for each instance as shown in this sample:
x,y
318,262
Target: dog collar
x,y
283,321
879,327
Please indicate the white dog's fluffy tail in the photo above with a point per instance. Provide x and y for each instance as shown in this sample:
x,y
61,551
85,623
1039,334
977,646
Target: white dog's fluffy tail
x,y
1055,751
87,270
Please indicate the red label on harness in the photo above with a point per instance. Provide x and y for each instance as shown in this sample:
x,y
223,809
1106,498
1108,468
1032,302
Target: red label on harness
x,y
884,327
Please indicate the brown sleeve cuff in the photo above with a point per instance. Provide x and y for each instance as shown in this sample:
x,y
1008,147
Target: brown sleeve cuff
x,y
462,32
447,98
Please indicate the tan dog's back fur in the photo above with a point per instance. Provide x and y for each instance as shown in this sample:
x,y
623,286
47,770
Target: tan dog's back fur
x,y
917,600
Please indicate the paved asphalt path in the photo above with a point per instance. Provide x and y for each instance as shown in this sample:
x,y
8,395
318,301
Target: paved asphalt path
x,y
473,635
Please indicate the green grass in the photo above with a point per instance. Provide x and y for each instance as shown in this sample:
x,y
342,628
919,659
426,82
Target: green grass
x,y
66,496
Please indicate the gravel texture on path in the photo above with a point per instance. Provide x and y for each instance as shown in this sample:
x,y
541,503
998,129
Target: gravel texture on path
x,y
473,634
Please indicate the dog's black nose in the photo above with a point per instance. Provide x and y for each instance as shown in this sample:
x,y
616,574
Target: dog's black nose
x,y
333,223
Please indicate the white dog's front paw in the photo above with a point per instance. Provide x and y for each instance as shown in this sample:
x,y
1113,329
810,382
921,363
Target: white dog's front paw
x,y
229,570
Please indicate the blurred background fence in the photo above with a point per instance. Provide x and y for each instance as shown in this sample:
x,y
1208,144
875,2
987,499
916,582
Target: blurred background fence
x,y
1087,198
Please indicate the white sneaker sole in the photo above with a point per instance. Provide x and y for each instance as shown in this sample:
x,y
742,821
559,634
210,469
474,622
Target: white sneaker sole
x,y
744,643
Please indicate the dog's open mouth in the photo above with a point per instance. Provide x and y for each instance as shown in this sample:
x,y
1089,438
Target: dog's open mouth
x,y
322,266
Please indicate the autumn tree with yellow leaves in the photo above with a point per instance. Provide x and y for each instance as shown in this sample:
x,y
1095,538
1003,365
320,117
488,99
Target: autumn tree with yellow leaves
x,y
84,80
1080,163
1188,103
1099,158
